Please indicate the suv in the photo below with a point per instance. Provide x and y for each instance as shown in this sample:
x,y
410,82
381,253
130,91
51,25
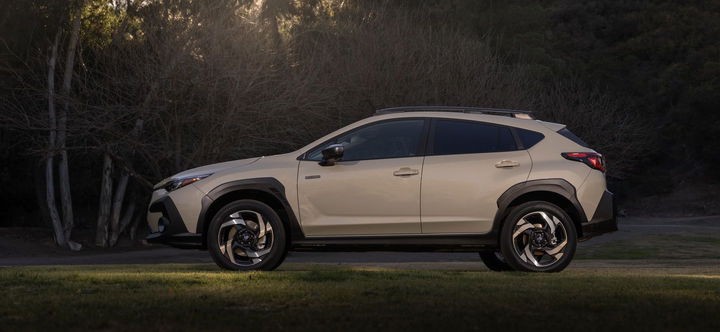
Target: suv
x,y
519,191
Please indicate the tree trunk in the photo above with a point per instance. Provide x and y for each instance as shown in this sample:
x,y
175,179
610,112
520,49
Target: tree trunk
x,y
126,219
101,234
49,177
117,206
63,168
135,225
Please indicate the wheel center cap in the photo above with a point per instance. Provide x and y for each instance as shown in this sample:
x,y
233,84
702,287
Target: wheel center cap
x,y
539,239
245,238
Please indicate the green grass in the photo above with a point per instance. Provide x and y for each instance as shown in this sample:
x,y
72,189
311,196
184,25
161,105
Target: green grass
x,y
186,297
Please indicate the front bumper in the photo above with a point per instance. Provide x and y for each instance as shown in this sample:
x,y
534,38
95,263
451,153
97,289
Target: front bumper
x,y
171,229
604,220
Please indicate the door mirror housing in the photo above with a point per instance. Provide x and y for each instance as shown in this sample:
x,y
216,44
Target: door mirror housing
x,y
332,154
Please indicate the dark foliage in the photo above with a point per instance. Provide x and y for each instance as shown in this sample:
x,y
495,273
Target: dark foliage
x,y
638,80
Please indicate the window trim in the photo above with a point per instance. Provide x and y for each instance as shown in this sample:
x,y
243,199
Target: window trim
x,y
421,149
430,146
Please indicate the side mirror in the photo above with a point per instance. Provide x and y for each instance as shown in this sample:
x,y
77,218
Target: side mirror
x,y
332,154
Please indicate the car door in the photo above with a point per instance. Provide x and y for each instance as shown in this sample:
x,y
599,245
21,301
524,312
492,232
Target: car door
x,y
373,190
469,164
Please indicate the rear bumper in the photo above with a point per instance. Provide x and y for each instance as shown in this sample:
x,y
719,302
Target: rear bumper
x,y
604,220
171,228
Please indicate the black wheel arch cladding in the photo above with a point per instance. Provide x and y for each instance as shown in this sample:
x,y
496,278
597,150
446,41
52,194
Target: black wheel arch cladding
x,y
544,189
267,190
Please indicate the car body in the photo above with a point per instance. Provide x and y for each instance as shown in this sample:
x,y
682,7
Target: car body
x,y
410,178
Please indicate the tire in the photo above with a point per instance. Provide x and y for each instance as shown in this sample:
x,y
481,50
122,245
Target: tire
x,y
494,261
538,236
247,235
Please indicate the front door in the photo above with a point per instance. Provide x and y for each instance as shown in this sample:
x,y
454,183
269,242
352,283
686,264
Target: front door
x,y
373,190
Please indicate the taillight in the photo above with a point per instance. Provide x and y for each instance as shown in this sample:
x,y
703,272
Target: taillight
x,y
592,159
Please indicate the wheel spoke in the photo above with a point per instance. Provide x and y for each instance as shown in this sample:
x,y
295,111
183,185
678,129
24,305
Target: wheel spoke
x,y
222,243
229,245
548,221
530,256
229,251
239,251
261,223
256,254
233,222
557,249
522,228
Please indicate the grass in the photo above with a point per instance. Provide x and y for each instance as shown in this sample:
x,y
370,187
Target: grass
x,y
199,296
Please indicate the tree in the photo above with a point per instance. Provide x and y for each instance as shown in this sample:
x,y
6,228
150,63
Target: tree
x,y
58,138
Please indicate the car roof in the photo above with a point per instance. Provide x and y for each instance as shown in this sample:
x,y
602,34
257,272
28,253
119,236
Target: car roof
x,y
505,120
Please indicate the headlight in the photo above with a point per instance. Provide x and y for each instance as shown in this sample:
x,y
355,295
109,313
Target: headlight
x,y
175,184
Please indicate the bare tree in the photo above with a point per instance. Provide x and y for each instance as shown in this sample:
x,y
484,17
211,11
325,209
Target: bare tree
x,y
52,145
63,167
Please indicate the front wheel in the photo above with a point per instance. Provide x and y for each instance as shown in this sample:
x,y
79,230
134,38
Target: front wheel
x,y
538,237
247,235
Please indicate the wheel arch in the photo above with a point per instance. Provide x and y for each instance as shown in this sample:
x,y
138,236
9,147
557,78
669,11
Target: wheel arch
x,y
555,191
266,190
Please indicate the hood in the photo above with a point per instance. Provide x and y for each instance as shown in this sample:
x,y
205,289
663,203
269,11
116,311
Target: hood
x,y
212,168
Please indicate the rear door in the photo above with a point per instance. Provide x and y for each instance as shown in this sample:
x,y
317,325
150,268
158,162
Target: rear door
x,y
469,164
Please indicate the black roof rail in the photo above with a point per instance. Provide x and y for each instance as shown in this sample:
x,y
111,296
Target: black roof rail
x,y
462,109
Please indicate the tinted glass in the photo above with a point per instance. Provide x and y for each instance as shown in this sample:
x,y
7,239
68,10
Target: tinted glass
x,y
459,137
391,139
569,135
529,137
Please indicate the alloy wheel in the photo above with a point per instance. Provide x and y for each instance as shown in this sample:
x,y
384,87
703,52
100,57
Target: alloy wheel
x,y
246,238
539,238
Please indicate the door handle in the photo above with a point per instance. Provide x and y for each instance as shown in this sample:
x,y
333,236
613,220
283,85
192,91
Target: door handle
x,y
406,171
506,164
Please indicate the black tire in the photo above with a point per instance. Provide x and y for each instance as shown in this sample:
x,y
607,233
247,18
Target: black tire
x,y
493,262
278,247
509,246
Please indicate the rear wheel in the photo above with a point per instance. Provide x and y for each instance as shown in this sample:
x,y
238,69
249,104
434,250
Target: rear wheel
x,y
538,237
495,261
247,235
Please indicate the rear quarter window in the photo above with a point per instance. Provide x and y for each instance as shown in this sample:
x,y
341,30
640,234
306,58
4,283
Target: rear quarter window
x,y
529,138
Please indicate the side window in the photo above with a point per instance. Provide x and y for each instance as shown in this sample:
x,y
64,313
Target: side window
x,y
459,137
390,139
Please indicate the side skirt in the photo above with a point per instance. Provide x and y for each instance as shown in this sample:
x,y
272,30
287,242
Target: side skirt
x,y
408,243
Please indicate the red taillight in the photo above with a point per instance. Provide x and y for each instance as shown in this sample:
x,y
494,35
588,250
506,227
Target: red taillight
x,y
592,159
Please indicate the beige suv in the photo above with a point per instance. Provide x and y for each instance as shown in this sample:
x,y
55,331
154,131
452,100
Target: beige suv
x,y
519,191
